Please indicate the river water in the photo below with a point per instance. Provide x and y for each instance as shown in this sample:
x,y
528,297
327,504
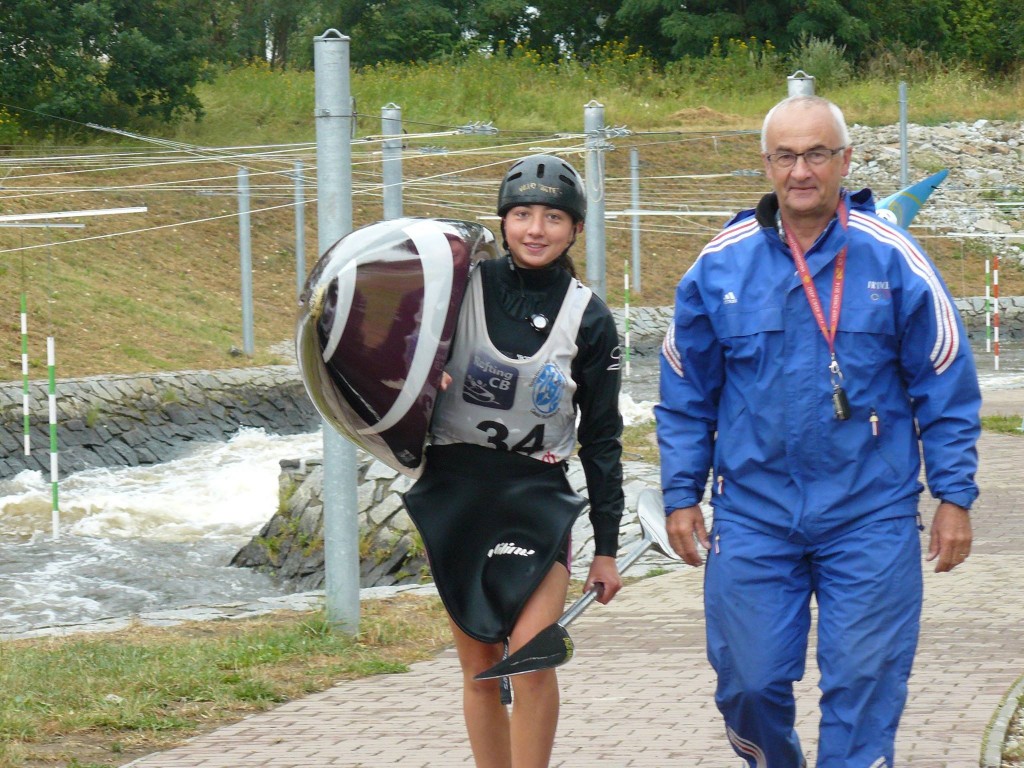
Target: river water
x,y
141,539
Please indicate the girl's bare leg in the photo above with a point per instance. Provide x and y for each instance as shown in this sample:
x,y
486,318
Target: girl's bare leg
x,y
526,739
487,720
536,698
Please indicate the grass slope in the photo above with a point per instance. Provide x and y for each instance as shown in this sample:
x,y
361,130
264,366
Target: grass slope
x,y
161,290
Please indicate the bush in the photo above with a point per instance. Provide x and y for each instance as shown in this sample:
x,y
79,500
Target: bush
x,y
11,131
823,59
735,66
898,61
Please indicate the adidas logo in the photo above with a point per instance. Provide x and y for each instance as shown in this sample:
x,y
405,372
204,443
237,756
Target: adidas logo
x,y
729,298
508,548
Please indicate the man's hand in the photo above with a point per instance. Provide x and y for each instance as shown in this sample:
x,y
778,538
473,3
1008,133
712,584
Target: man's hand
x,y
951,537
685,527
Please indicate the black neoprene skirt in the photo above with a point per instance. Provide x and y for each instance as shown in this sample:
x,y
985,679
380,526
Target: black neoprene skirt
x,y
493,523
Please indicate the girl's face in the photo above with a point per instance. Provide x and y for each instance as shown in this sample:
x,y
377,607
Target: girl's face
x,y
537,235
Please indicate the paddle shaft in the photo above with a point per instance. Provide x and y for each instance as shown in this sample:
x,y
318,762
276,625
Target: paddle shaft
x,y
587,598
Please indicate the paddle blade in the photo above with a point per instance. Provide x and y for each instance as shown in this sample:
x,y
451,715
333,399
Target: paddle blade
x,y
650,509
901,207
551,647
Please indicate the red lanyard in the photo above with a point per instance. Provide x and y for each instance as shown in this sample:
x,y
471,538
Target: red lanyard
x,y
829,331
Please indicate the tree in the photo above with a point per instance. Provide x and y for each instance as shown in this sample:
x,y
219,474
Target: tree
x,y
486,24
572,29
842,22
987,33
392,30
916,24
670,29
236,30
119,63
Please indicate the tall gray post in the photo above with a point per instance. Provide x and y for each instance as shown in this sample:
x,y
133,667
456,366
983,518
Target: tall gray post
x,y
800,84
634,175
334,221
391,165
245,256
904,162
593,127
300,230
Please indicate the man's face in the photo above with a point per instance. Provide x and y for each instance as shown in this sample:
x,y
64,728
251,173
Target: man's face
x,y
806,191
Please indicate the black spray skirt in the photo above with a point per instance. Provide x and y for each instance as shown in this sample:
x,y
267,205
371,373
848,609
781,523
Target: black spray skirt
x,y
492,523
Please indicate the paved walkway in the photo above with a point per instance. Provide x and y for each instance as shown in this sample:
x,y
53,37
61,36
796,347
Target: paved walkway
x,y
639,690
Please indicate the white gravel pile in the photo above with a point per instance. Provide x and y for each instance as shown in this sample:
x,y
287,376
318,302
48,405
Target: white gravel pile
x,y
983,195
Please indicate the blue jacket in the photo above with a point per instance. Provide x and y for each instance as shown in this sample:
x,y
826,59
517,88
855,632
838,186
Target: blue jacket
x,y
745,387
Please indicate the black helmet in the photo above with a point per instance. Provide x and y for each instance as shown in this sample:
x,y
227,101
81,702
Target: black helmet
x,y
543,180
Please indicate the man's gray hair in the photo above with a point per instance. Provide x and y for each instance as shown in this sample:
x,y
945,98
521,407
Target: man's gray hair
x,y
807,102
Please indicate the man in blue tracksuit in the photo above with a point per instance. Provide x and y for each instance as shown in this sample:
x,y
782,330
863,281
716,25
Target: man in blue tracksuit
x,y
815,354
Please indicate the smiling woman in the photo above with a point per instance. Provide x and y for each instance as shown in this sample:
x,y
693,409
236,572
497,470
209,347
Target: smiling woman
x,y
533,349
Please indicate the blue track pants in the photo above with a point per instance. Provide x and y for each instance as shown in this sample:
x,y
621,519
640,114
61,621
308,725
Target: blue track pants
x,y
867,584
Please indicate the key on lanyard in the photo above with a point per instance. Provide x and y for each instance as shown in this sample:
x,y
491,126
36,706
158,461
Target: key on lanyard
x,y
840,403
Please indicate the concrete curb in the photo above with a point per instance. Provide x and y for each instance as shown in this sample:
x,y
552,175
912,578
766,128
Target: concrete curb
x,y
995,736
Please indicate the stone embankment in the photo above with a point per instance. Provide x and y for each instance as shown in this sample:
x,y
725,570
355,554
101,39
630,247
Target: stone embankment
x,y
290,545
117,421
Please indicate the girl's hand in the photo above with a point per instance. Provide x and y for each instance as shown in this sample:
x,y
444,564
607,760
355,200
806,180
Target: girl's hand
x,y
604,572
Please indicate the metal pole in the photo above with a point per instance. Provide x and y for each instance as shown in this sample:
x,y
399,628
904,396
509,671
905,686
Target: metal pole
x,y
625,314
995,309
634,173
593,126
25,411
334,220
988,306
904,162
391,150
300,231
245,251
51,366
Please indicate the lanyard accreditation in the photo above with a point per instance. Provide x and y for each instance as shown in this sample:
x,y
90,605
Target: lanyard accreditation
x,y
840,403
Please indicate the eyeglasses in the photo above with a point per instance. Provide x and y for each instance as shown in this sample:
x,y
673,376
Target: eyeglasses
x,y
811,157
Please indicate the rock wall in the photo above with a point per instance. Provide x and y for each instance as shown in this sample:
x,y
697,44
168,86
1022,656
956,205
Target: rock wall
x,y
106,421
290,546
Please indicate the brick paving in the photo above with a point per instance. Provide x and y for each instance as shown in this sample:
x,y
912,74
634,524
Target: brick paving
x,y
639,690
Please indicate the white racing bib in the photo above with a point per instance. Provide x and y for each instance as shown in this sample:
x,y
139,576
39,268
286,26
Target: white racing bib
x,y
513,405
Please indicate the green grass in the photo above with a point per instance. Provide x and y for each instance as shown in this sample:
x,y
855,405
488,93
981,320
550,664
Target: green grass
x,y
1004,425
525,92
91,696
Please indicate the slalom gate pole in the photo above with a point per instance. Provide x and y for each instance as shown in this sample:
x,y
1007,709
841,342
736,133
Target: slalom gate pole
x,y
54,471
625,277
995,309
24,373
988,306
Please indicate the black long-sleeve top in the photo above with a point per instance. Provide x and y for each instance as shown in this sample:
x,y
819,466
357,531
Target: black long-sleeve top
x,y
511,296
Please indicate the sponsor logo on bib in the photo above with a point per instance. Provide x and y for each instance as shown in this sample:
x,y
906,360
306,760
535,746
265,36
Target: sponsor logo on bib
x,y
548,387
490,383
